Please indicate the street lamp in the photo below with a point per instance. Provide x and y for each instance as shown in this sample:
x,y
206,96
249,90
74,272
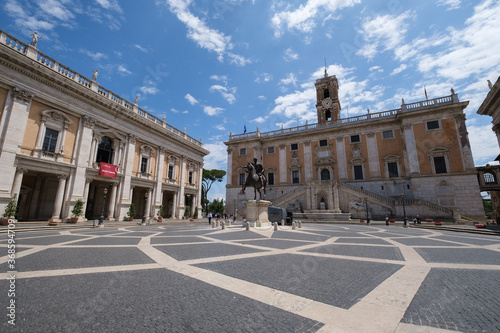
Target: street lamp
x,y
367,215
145,204
101,219
405,221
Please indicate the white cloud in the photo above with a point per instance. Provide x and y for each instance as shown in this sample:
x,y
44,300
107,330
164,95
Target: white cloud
x,y
304,18
264,77
141,48
96,56
259,120
451,4
290,79
399,69
262,98
290,55
227,93
122,70
481,139
56,9
212,111
220,127
174,110
149,90
377,69
382,33
191,99
110,4
206,37
222,78
217,159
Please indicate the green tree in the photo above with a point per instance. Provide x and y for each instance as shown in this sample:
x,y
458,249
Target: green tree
x,y
210,177
216,206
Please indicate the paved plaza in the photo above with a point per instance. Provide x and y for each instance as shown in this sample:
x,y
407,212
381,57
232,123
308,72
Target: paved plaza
x,y
320,278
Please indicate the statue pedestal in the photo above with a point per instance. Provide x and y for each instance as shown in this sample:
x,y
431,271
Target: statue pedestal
x,y
257,213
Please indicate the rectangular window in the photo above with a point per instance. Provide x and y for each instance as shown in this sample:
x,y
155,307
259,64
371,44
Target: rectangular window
x,y
270,178
170,172
243,151
387,134
355,138
50,140
190,177
242,179
393,169
270,150
144,165
358,172
294,146
440,164
295,177
432,124
323,143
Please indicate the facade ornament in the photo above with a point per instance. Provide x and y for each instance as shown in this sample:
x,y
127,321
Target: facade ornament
x,y
356,151
132,139
339,138
370,134
88,122
490,85
22,96
94,76
34,39
162,150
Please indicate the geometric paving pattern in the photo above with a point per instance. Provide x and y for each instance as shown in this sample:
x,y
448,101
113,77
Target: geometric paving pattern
x,y
321,278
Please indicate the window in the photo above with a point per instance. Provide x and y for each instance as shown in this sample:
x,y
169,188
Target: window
x,y
358,172
270,150
295,177
105,150
326,93
393,169
50,140
242,178
355,138
294,146
270,178
431,125
190,177
323,143
243,151
170,174
440,164
388,134
489,178
325,174
144,165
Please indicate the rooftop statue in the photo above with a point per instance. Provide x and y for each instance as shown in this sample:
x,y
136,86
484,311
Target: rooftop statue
x,y
255,178
94,76
34,39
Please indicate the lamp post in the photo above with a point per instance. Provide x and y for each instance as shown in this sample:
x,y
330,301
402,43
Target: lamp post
x,y
101,218
405,220
145,204
367,215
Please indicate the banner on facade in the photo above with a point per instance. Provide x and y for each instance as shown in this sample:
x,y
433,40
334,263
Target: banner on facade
x,y
108,170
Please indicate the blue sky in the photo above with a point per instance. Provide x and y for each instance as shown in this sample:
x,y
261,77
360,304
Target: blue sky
x,y
215,66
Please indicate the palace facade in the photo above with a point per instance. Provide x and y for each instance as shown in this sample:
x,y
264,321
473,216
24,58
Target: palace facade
x,y
63,137
415,159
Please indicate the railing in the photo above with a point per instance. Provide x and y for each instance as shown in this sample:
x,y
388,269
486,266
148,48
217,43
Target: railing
x,y
46,61
429,103
366,193
280,201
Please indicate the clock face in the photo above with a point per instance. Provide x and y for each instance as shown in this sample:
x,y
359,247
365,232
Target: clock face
x,y
326,103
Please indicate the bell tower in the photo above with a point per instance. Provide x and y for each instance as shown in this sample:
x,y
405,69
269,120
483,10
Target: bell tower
x,y
327,98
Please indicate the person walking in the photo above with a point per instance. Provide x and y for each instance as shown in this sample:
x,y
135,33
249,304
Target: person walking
x,y
386,220
419,220
209,217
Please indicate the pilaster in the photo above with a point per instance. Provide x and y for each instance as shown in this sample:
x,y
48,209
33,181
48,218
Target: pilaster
x,y
342,162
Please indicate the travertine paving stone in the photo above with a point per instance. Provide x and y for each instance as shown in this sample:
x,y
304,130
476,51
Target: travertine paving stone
x,y
379,252
197,251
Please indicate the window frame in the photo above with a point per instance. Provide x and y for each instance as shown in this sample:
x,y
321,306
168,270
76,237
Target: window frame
x,y
56,140
292,145
432,121
387,138
353,136
243,151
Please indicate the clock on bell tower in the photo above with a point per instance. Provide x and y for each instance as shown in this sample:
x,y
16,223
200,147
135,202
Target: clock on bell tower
x,y
327,98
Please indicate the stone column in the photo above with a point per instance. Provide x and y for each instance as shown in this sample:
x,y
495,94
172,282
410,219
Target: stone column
x,y
86,194
58,202
373,159
14,120
182,183
198,196
308,161
41,130
342,162
282,164
111,202
336,199
463,138
126,199
411,150
18,180
229,173
148,205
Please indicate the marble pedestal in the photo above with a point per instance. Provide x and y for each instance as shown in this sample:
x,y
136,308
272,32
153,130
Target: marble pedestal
x,y
257,214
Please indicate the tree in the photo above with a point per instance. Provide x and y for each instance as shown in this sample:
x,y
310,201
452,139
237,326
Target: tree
x,y
210,177
217,206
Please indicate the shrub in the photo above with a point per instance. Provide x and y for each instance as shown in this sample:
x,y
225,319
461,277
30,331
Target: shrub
x,y
131,210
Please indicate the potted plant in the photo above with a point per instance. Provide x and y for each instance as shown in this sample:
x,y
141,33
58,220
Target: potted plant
x,y
131,212
187,212
437,223
195,215
10,210
77,211
160,214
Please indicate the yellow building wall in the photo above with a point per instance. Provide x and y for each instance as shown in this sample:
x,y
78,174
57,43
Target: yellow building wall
x,y
387,147
137,154
272,161
32,126
300,154
70,140
349,156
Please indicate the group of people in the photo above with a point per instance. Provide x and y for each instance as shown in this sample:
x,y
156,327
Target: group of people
x,y
416,220
217,216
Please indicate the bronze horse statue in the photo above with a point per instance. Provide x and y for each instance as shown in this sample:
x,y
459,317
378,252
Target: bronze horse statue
x,y
253,179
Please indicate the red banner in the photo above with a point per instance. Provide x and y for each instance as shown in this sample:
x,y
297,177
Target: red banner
x,y
108,170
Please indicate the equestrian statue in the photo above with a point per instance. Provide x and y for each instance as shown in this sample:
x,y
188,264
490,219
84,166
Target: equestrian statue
x,y
255,178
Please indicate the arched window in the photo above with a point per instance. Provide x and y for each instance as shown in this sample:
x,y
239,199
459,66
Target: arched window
x,y
489,178
326,93
105,150
325,174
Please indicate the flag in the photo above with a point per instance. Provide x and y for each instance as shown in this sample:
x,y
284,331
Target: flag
x,y
425,93
244,128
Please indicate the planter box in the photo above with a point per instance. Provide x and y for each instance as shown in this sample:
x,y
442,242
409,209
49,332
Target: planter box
x,y
73,219
428,220
480,225
438,223
53,223
361,220
392,221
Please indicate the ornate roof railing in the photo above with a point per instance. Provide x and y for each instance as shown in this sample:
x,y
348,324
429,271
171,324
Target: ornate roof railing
x,y
33,53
